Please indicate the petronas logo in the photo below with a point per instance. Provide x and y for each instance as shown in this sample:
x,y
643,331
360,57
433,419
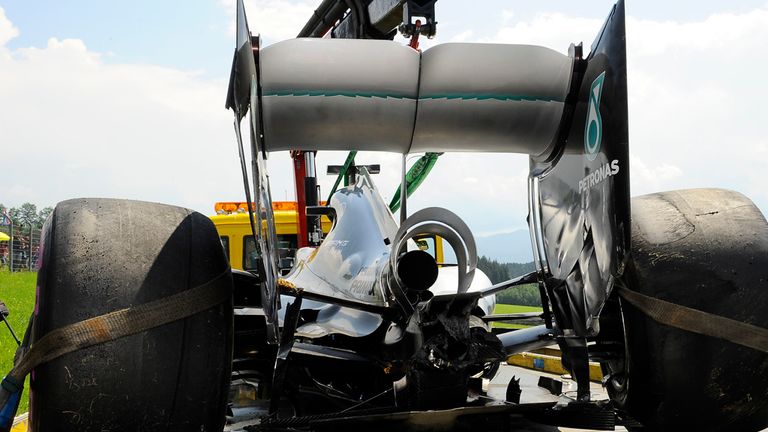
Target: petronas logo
x,y
593,128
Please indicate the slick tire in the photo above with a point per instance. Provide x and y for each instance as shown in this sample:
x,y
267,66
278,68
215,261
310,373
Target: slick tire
x,y
706,249
101,255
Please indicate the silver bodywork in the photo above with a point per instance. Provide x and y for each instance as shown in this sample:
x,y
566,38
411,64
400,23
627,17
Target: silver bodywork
x,y
352,263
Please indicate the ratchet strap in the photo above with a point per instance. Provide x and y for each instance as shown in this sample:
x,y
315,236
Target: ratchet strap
x,y
108,327
696,321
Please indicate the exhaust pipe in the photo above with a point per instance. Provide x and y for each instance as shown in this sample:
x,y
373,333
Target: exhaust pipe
x,y
417,270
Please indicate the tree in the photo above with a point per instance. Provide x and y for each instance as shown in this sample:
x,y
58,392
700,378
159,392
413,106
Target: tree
x,y
43,215
495,271
27,215
14,214
519,269
3,213
527,295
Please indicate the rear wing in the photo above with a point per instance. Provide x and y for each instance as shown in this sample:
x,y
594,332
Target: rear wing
x,y
382,96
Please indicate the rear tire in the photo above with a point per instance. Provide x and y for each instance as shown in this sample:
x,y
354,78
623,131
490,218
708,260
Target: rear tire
x,y
100,255
706,249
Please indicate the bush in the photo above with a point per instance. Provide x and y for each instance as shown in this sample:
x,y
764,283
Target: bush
x,y
526,295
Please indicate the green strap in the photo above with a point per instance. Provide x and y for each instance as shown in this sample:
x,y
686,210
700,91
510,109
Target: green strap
x,y
415,177
342,175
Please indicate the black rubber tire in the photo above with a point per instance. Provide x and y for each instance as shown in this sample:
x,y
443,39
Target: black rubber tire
x,y
100,255
706,249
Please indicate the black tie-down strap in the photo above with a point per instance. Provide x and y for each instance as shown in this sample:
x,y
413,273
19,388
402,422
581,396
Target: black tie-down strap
x,y
696,321
108,327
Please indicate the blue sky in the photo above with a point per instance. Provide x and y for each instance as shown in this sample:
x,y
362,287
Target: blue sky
x,y
187,35
125,99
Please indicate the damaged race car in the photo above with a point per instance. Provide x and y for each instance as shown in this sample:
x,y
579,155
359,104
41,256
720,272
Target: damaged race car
x,y
366,329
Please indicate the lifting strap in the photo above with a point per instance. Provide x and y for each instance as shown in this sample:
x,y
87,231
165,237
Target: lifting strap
x,y
342,175
111,326
696,321
415,176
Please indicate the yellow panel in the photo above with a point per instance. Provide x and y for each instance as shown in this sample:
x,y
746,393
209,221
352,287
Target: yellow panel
x,y
550,364
238,225
20,423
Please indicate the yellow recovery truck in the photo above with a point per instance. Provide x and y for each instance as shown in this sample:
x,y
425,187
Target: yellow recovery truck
x,y
231,221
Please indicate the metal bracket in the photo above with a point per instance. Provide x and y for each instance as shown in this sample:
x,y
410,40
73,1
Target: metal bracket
x,y
419,9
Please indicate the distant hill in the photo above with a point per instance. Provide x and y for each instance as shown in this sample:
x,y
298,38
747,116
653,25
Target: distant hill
x,y
514,247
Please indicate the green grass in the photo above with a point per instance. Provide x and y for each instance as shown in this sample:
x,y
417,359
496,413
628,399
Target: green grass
x,y
17,291
508,309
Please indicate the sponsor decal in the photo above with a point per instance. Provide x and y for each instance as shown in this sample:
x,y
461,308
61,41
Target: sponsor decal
x,y
599,175
593,127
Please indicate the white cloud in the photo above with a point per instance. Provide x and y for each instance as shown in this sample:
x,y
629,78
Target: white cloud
x,y
507,16
463,36
646,179
488,191
697,102
7,30
275,20
74,126
552,30
715,33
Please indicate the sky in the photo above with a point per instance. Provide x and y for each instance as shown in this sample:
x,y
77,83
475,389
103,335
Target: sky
x,y
126,99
